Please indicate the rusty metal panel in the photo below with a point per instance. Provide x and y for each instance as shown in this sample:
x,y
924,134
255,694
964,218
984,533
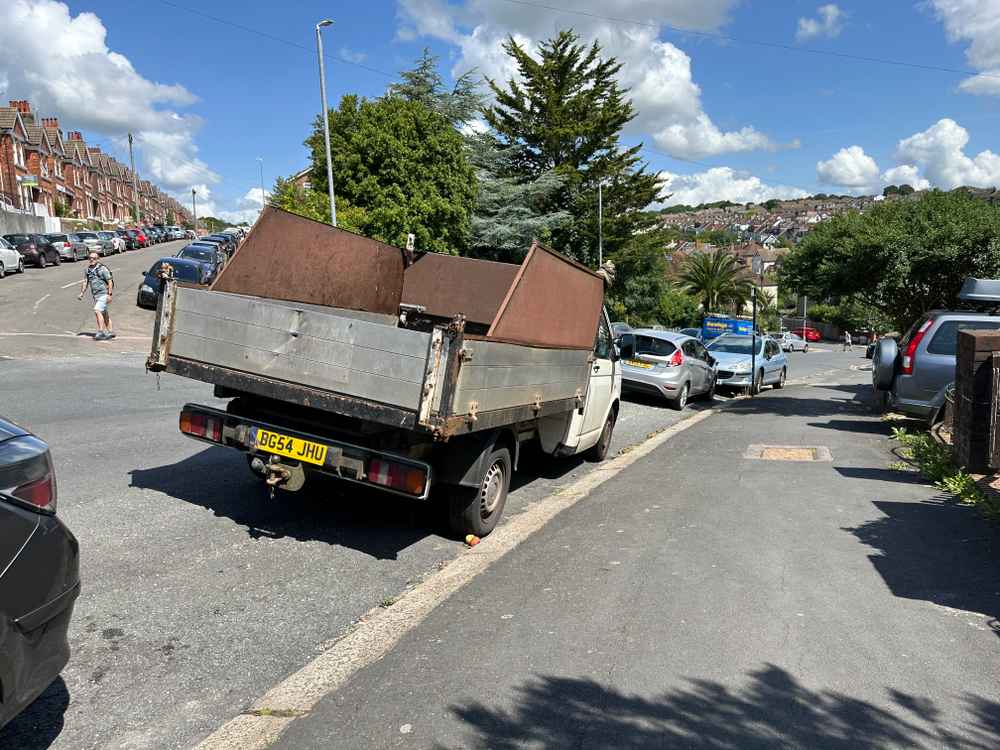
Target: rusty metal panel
x,y
448,285
289,257
553,302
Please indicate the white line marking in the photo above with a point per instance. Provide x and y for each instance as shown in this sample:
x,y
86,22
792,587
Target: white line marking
x,y
34,310
380,629
67,286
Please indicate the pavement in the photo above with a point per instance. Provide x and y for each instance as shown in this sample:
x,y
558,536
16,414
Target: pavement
x,y
200,594
40,315
709,599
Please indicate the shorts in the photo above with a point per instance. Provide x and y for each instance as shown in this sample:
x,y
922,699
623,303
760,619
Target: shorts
x,y
101,303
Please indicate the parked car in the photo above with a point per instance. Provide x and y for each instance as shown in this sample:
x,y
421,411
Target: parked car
x,y
810,334
667,364
185,269
619,328
190,234
221,244
792,342
114,239
912,377
228,243
95,244
129,242
11,261
175,233
213,258
735,362
35,249
70,246
694,333
39,572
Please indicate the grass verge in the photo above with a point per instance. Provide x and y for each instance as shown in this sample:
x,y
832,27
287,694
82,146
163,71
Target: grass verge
x,y
935,462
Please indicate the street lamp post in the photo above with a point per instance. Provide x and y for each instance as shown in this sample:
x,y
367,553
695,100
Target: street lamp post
x,y
326,119
194,208
135,181
600,223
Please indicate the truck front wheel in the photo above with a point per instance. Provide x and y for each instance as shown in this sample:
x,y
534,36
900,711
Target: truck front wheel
x,y
476,510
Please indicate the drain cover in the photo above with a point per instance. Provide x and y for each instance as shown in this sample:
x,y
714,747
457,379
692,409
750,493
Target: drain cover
x,y
788,453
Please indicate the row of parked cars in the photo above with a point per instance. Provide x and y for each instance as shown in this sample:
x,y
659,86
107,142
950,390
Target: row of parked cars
x,y
198,262
20,250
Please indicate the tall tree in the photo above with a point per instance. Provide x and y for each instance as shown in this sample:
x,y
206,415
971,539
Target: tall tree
x,y
899,258
424,84
716,279
403,165
509,212
565,112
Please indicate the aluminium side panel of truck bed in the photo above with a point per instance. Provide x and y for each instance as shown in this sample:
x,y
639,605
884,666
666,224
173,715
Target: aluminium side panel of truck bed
x,y
302,345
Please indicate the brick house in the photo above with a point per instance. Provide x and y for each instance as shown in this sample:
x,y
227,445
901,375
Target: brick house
x,y
13,160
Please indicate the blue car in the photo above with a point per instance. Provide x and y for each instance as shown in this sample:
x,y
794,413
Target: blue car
x,y
185,269
734,363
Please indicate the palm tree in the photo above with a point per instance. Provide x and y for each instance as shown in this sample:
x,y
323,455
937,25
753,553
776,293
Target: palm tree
x,y
716,279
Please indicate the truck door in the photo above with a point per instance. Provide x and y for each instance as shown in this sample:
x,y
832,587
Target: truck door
x,y
602,371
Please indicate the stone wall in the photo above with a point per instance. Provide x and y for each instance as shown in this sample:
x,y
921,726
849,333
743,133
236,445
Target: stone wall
x,y
13,223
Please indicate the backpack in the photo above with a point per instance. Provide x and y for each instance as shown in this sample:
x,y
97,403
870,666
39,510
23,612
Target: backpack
x,y
111,274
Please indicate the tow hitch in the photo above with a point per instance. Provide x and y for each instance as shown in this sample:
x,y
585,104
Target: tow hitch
x,y
277,474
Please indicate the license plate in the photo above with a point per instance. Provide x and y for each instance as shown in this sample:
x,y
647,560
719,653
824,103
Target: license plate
x,y
297,448
639,363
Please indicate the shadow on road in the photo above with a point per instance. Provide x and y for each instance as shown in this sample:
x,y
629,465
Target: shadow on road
x,y
377,524
38,726
771,710
937,551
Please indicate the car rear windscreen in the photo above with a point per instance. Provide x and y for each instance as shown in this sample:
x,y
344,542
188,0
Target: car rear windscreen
x,y
945,341
656,347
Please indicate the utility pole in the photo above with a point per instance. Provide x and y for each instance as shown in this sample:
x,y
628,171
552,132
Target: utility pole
x,y
263,198
805,313
194,208
753,342
326,119
135,182
600,223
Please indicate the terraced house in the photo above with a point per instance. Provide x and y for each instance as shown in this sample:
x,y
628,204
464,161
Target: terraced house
x,y
47,172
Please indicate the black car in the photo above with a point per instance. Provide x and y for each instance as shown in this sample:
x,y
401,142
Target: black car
x,y
36,249
39,572
185,269
205,253
225,243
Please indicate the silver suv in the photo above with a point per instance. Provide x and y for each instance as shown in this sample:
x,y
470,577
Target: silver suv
x,y
913,375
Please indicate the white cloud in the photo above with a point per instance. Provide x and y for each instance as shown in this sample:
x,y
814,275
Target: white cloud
x,y
906,174
849,168
247,208
978,22
721,183
940,152
666,98
829,23
62,64
352,56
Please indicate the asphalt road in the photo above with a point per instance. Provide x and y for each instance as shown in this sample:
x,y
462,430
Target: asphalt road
x,y
199,592
708,600
41,316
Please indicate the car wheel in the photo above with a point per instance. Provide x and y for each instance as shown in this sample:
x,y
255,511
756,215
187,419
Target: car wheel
x,y
57,261
682,398
805,348
781,380
41,261
3,271
599,451
476,510
710,393
757,382
20,265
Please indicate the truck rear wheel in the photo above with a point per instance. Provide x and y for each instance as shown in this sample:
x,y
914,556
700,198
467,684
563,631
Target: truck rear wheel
x,y
600,449
476,510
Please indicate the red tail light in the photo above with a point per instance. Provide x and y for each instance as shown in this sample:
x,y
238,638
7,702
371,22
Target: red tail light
x,y
396,476
909,356
676,360
41,493
202,426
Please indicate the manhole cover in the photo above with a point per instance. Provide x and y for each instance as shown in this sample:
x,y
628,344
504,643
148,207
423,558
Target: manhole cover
x,y
788,453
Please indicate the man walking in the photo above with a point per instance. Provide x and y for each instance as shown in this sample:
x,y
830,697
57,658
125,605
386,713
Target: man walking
x,y
102,286
848,344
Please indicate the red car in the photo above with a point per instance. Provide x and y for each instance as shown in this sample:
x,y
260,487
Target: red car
x,y
809,333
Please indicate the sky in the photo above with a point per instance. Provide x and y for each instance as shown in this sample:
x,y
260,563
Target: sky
x,y
742,100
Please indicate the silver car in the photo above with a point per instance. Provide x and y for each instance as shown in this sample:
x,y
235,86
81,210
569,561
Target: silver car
x,y
95,244
116,242
792,342
666,364
732,352
914,375
70,246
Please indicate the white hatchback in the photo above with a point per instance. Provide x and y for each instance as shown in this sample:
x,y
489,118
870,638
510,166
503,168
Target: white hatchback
x,y
10,259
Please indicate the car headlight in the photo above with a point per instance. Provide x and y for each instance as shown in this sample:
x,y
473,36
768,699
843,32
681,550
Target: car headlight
x,y
743,367
146,288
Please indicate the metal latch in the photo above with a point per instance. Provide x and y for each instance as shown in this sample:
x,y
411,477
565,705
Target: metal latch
x,y
473,411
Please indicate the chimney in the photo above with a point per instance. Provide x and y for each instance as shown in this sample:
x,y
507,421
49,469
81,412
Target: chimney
x,y
50,122
21,105
75,135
